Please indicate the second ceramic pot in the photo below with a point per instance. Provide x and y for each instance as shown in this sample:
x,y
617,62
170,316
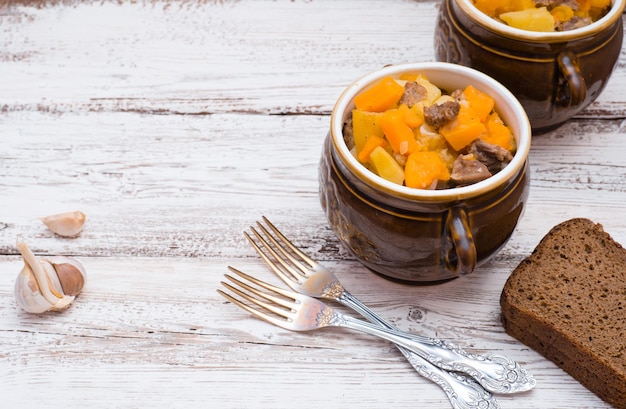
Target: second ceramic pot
x,y
554,75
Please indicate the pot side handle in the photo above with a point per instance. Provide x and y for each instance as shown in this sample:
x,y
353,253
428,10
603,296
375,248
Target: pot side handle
x,y
461,259
568,67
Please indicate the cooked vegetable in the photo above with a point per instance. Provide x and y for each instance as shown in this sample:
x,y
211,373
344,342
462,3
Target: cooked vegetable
x,y
498,133
464,129
372,143
364,125
562,13
535,19
386,166
382,96
481,103
412,116
397,132
496,7
599,3
424,169
433,93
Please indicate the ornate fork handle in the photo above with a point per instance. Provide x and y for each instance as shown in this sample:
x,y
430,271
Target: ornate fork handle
x,y
462,391
496,373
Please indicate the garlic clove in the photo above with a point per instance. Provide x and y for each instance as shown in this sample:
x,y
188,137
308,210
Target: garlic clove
x,y
27,293
63,303
56,286
39,272
70,272
68,224
52,279
47,284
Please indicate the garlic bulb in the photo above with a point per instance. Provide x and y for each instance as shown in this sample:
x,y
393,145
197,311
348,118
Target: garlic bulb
x,y
68,224
47,284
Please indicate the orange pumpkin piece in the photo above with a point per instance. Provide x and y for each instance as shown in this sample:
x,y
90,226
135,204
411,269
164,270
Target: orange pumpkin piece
x,y
479,102
498,133
398,133
488,7
562,13
409,77
600,3
494,7
584,6
517,5
424,169
371,143
410,115
463,130
382,96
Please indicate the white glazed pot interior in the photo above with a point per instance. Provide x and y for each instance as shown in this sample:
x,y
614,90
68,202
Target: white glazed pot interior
x,y
448,77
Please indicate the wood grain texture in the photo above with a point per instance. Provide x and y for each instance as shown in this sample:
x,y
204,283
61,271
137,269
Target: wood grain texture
x,y
176,125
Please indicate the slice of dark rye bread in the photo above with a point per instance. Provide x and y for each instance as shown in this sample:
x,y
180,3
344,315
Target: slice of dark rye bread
x,y
567,301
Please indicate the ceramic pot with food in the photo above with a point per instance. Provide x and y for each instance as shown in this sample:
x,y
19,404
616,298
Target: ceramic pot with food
x,y
424,173
555,58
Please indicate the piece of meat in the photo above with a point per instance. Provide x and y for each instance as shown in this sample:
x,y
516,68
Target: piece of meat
x,y
348,134
467,170
550,4
494,157
438,115
573,23
401,159
458,95
413,93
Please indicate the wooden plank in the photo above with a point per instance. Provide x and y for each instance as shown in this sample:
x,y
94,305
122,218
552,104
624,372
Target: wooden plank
x,y
180,185
200,57
153,332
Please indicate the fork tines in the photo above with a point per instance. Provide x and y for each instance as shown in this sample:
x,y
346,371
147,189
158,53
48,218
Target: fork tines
x,y
285,259
268,300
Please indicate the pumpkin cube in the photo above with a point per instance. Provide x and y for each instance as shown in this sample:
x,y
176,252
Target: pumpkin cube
x,y
463,130
384,95
424,169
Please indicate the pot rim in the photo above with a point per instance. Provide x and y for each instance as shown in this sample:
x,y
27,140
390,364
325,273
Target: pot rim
x,y
614,14
447,76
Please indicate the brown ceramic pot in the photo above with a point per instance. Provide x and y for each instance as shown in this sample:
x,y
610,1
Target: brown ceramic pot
x,y
419,235
554,75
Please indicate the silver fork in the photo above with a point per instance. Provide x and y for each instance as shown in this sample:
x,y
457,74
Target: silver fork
x,y
496,373
299,312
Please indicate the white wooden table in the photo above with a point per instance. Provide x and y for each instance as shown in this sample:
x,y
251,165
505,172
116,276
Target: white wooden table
x,y
176,125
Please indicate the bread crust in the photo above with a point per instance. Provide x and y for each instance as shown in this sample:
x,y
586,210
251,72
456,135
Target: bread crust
x,y
567,301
